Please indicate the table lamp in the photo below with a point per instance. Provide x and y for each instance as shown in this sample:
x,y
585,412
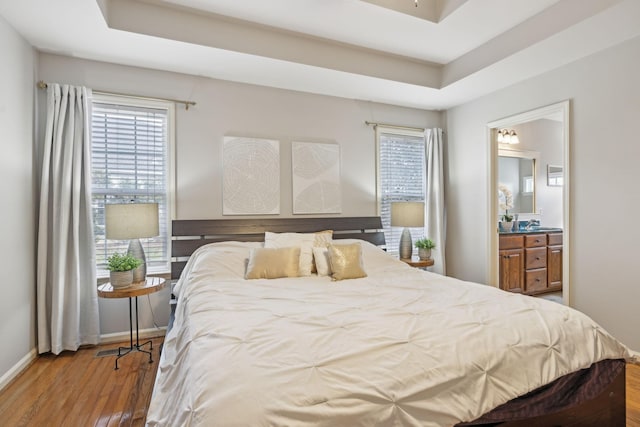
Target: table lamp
x,y
407,214
132,221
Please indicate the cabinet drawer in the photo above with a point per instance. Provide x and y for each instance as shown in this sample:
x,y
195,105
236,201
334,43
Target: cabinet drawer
x,y
555,239
535,258
535,280
511,242
535,240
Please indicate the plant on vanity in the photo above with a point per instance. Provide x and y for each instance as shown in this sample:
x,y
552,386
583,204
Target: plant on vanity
x,y
505,202
507,219
121,268
424,247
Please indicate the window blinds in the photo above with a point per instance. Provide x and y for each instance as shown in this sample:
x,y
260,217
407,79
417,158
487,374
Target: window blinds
x,y
402,171
129,164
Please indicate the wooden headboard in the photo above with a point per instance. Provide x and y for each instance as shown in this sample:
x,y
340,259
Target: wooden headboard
x,y
188,235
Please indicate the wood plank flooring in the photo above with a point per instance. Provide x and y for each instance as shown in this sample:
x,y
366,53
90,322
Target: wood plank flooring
x,y
633,395
80,389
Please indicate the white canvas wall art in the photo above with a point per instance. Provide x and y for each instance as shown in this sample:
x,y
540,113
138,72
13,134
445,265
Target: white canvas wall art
x,y
316,178
251,176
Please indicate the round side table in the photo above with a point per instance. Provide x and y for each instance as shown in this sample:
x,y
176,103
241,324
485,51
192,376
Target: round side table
x,y
419,263
149,286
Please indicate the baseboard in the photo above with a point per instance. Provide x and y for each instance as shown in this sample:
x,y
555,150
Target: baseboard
x,y
124,336
18,368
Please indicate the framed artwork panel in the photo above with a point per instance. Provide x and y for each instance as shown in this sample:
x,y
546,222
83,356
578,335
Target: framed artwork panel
x,y
316,178
251,176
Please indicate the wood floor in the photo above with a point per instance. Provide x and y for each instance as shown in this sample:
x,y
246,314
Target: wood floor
x,y
633,395
80,389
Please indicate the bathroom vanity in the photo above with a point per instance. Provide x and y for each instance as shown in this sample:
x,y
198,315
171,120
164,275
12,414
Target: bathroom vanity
x,y
531,261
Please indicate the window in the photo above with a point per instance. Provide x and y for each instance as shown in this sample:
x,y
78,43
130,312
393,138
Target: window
x,y
401,177
527,185
130,148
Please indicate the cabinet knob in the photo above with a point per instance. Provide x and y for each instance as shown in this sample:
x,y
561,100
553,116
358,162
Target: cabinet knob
x,y
537,258
537,280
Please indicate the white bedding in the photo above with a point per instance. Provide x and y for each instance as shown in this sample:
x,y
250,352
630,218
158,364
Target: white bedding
x,y
402,347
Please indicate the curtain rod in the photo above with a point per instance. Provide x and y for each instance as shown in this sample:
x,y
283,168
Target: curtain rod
x,y
187,104
374,124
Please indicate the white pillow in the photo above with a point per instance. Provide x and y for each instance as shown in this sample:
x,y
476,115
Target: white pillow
x,y
286,240
323,240
321,256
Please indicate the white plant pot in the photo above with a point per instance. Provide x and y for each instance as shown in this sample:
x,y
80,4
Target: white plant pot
x,y
424,254
507,226
121,279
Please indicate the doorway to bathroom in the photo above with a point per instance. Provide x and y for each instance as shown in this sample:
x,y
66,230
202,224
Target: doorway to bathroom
x,y
528,186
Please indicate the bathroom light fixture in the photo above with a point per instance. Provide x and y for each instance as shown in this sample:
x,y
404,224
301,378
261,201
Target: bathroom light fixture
x,y
506,136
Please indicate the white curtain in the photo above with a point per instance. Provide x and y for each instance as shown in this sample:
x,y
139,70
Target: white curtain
x,y
435,212
67,300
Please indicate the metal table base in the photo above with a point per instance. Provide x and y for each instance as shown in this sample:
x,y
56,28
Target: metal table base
x,y
123,351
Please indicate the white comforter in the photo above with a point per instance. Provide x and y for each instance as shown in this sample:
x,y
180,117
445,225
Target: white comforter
x,y
402,347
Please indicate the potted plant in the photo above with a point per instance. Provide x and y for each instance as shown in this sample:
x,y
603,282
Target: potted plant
x,y
507,219
424,246
121,268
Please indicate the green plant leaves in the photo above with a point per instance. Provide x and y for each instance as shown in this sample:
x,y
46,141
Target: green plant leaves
x,y
122,262
425,244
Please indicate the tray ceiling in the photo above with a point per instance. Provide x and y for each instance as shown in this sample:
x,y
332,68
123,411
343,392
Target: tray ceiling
x,y
434,56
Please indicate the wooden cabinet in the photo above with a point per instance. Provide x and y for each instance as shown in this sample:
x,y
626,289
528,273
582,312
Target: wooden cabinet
x,y
512,270
531,263
554,262
511,257
535,266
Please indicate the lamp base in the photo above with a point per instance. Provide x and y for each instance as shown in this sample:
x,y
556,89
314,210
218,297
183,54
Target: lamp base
x,y
406,245
136,251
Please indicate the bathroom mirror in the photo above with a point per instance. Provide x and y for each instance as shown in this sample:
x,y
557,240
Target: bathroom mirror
x,y
517,179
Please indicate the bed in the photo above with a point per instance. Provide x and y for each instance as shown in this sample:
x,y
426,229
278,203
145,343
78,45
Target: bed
x,y
399,347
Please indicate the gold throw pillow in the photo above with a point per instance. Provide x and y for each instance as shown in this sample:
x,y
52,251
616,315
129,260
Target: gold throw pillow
x,y
346,261
272,263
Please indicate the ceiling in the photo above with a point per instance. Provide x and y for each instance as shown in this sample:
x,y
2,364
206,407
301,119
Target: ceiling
x,y
437,55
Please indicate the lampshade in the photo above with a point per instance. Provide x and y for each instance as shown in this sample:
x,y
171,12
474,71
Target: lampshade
x,y
131,220
407,214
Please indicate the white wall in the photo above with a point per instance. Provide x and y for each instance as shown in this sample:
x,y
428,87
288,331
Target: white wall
x,y
604,90
226,108
545,137
17,287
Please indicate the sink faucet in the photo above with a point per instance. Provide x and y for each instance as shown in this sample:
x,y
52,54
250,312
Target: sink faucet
x,y
532,223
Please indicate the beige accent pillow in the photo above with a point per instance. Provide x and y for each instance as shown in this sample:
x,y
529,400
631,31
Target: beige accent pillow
x,y
321,261
306,242
272,263
346,261
288,240
322,239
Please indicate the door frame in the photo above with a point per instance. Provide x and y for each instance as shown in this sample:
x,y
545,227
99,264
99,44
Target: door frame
x,y
560,109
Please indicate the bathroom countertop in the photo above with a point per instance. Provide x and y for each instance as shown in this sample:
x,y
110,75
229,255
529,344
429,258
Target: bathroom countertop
x,y
534,231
